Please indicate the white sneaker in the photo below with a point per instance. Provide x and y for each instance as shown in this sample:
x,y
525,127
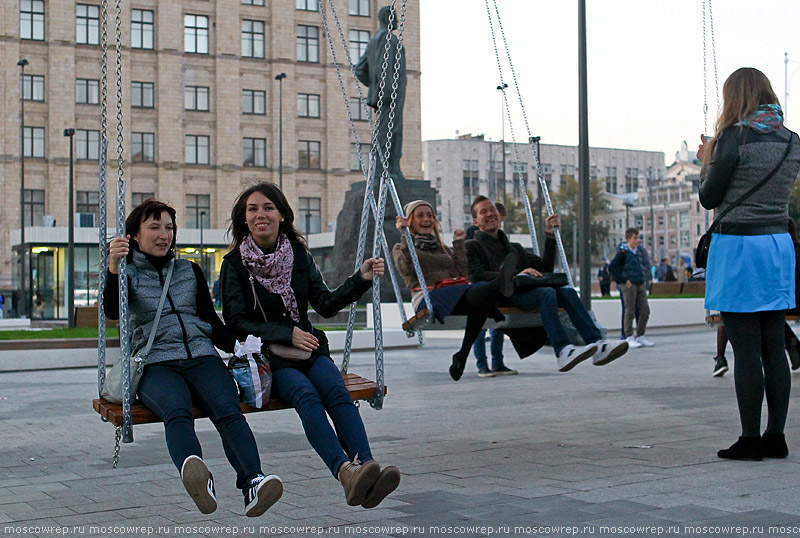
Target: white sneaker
x,y
608,351
571,356
633,342
644,341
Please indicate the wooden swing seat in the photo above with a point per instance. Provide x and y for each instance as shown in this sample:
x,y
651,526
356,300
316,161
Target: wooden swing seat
x,y
515,319
359,388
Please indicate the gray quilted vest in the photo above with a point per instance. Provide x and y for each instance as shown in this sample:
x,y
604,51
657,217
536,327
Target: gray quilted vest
x,y
181,334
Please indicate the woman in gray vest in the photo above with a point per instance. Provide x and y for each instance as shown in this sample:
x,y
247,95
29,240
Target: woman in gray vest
x,y
749,168
269,280
182,367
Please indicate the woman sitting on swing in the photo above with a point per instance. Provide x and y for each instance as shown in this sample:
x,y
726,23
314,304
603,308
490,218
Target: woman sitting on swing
x,y
445,269
269,280
182,367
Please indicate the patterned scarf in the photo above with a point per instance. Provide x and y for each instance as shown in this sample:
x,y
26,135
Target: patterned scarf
x,y
425,241
767,119
273,271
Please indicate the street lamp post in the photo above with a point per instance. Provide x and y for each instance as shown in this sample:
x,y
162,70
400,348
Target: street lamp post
x,y
628,206
71,236
502,88
280,78
23,275
202,246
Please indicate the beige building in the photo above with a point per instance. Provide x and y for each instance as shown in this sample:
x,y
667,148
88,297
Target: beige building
x,y
201,113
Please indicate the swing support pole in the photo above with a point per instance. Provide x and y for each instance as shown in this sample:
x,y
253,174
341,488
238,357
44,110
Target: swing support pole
x,y
584,250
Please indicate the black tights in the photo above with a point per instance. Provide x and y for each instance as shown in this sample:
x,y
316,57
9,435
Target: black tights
x,y
477,303
760,366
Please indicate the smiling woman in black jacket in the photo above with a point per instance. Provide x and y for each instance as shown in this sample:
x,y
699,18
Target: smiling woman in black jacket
x,y
268,281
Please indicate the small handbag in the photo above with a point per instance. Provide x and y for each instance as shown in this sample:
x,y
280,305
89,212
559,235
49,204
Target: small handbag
x,y
526,282
252,373
704,243
113,389
280,351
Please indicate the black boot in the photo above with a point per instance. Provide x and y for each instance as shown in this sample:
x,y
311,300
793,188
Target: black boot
x,y
774,445
457,368
507,272
746,448
502,284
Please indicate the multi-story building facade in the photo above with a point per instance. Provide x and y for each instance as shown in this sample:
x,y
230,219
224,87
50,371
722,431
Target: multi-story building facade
x,y
463,168
202,112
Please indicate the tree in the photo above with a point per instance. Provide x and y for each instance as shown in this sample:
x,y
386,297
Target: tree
x,y
565,204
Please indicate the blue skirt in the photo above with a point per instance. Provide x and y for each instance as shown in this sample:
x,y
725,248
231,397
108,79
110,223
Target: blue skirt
x,y
750,273
444,300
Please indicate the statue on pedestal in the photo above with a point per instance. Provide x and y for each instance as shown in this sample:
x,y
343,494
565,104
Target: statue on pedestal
x,y
370,72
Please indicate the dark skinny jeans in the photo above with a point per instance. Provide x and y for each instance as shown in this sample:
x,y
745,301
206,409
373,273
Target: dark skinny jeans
x,y
169,388
315,393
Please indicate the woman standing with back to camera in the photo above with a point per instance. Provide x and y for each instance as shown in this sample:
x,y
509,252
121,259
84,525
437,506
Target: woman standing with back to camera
x,y
751,262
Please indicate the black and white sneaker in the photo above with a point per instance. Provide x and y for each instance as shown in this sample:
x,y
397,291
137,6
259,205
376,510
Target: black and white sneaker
x,y
199,483
261,493
720,366
571,356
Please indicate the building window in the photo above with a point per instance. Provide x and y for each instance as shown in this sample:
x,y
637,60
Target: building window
x,y
309,215
87,25
143,147
308,154
355,162
87,92
87,144
520,169
307,44
196,149
358,44
195,34
567,171
252,39
142,95
253,102
87,202
254,152
307,5
198,207
253,2
360,8
471,184
33,87
611,185
195,98
142,29
359,109
138,197
33,141
547,174
31,19
308,105
33,207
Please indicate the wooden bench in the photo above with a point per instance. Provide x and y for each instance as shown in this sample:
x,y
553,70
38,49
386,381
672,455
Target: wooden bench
x,y
515,319
671,289
359,388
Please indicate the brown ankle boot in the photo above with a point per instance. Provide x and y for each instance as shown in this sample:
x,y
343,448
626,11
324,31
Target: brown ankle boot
x,y
357,479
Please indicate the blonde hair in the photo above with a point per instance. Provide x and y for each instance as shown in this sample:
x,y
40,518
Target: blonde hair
x,y
743,92
436,225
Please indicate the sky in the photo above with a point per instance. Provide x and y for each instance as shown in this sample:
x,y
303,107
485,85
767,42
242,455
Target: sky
x,y
645,67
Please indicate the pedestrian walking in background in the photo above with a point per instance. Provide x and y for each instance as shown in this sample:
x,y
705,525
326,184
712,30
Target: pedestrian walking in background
x,y
604,278
627,270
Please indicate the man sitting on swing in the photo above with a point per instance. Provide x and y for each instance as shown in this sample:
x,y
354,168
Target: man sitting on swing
x,y
485,254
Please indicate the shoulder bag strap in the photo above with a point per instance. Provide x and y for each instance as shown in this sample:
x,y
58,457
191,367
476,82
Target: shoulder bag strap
x,y
756,187
158,312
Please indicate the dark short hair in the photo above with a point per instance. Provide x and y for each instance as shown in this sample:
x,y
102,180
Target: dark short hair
x,y
630,232
150,208
238,229
478,199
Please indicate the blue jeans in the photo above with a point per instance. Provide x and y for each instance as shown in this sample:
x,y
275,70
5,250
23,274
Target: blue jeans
x,y
496,347
548,300
314,392
169,388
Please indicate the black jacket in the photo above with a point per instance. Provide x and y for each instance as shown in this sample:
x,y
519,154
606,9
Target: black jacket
x,y
243,316
485,254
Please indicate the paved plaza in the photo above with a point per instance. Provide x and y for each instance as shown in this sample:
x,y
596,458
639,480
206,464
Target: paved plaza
x,y
628,449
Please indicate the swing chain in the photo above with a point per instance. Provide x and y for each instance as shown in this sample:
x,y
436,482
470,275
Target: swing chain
x,y
117,439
